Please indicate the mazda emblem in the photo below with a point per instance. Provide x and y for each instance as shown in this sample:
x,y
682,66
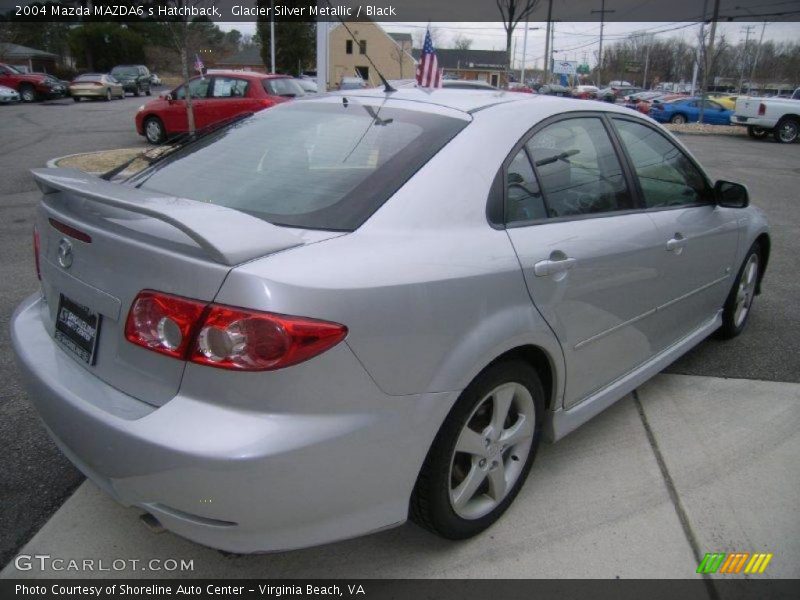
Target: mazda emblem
x,y
65,253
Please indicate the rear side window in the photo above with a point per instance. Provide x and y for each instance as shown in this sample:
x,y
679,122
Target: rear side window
x,y
524,201
306,164
283,87
229,87
578,169
666,175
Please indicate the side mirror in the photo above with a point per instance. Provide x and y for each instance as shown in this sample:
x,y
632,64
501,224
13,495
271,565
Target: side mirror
x,y
170,98
731,195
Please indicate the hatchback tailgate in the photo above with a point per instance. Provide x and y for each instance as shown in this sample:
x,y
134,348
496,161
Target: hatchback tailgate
x,y
102,243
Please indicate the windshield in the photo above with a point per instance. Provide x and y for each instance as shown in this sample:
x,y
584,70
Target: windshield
x,y
125,72
283,87
307,164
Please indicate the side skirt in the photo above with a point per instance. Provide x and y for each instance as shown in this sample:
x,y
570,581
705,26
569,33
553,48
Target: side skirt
x,y
562,422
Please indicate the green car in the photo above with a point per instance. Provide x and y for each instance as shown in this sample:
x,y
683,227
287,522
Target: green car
x,y
134,78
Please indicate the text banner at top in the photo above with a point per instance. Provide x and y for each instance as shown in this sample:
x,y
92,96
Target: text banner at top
x,y
394,10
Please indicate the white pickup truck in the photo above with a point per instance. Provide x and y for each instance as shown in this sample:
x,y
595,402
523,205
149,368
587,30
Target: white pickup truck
x,y
762,116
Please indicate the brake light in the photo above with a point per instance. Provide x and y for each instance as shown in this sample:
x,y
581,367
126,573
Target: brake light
x,y
226,337
70,231
36,252
762,109
162,322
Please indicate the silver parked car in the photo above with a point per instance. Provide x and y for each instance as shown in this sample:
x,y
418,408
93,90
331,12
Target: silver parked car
x,y
375,307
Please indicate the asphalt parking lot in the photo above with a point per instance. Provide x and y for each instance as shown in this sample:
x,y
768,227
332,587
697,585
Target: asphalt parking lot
x,y
36,479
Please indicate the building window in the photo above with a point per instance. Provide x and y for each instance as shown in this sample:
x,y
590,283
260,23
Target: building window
x,y
362,47
348,46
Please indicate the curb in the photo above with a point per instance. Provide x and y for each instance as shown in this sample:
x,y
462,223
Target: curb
x,y
53,162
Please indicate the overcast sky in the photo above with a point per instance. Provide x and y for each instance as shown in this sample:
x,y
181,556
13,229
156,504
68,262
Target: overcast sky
x,y
573,41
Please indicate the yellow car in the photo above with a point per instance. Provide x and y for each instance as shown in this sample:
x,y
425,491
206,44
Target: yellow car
x,y
728,101
95,86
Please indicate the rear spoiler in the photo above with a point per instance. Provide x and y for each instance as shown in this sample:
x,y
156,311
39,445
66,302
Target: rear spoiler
x,y
227,236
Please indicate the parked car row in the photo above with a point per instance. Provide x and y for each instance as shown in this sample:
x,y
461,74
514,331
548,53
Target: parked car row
x,y
29,87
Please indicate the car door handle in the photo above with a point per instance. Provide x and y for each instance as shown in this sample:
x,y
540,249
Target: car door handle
x,y
676,243
543,268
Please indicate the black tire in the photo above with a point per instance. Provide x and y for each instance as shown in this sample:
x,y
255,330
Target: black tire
x,y
787,131
758,133
76,99
137,92
678,119
430,505
147,92
154,131
27,93
108,95
732,325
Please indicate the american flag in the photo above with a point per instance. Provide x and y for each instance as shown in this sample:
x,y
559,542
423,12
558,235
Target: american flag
x,y
198,64
428,74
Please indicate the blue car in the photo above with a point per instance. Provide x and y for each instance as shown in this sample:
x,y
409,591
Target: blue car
x,y
687,110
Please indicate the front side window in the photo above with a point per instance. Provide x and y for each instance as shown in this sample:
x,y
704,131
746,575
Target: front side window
x,y
229,87
578,169
198,88
524,200
666,176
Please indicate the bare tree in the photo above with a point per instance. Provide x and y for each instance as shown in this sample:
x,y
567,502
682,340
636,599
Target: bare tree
x,y
399,55
512,12
181,38
462,42
419,37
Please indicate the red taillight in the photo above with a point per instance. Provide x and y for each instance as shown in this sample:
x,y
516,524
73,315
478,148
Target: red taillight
x,y
36,252
163,323
762,109
226,337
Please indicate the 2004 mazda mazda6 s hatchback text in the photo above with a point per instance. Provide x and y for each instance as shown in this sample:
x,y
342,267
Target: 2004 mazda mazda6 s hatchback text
x,y
338,313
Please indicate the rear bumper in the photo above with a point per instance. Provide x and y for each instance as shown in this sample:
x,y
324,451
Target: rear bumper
x,y
754,122
231,478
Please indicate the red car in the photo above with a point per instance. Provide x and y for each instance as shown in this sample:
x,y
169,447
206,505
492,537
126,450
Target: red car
x,y
215,97
30,85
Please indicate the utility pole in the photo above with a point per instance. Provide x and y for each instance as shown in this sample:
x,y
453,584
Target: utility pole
x,y
709,63
272,39
747,31
646,64
547,41
525,50
755,60
602,13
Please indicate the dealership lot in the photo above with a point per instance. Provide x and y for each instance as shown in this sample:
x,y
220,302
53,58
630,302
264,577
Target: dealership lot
x,y
673,418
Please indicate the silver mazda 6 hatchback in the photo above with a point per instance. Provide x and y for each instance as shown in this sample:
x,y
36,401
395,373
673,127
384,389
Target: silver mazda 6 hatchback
x,y
340,313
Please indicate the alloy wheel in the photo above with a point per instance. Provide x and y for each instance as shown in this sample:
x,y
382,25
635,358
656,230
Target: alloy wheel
x,y
746,291
788,131
491,450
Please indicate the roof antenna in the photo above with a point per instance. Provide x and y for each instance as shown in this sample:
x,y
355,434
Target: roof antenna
x,y
387,88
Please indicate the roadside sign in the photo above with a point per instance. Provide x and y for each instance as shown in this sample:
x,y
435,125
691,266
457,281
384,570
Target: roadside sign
x,y
565,67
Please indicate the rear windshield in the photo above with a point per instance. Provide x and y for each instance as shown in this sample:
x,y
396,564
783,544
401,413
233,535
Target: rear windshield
x,y
122,71
306,164
283,87
88,78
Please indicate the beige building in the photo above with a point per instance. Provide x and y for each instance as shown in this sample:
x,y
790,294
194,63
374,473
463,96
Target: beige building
x,y
347,57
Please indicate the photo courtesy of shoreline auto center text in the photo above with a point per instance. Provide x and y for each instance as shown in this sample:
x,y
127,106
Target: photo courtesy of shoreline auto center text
x,y
399,299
